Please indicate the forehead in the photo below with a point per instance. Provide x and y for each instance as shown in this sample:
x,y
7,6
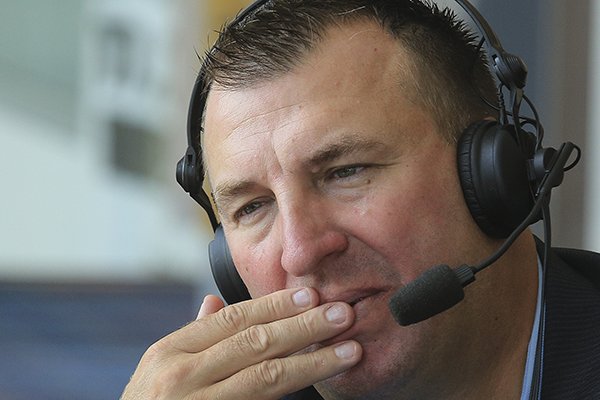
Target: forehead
x,y
357,69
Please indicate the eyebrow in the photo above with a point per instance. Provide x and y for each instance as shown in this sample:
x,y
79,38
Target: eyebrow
x,y
225,192
346,146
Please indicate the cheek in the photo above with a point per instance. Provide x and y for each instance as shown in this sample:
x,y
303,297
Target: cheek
x,y
257,270
422,225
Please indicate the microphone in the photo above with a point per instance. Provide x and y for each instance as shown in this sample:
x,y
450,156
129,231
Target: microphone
x,y
436,290
441,287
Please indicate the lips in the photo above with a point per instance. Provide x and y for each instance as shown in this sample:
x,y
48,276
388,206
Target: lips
x,y
361,300
366,304
353,302
352,297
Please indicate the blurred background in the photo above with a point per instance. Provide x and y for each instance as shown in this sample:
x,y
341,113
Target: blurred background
x,y
101,253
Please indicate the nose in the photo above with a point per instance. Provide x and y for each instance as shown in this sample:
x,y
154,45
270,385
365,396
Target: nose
x,y
309,236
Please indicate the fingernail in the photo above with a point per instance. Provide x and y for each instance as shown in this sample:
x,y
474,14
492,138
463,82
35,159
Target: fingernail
x,y
301,298
345,350
336,313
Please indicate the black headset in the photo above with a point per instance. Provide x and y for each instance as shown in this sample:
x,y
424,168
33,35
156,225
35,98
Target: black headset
x,y
500,165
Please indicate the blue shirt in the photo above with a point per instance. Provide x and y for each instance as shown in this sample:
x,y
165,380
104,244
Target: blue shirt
x,y
531,349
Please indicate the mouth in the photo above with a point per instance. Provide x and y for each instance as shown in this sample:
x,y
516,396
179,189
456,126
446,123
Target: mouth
x,y
367,305
356,298
354,302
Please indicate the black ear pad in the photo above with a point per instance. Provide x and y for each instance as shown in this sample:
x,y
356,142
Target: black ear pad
x,y
493,174
228,280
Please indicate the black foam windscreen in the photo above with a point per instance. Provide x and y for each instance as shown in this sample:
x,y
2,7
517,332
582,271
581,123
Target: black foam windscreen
x,y
436,290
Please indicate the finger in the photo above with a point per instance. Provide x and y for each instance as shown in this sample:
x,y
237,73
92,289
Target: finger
x,y
228,321
276,339
273,379
210,305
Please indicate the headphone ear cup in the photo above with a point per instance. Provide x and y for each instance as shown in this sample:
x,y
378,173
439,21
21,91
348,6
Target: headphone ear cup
x,y
225,274
189,172
493,175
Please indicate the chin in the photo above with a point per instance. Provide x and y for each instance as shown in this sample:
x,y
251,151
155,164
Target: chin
x,y
394,363
371,378
356,383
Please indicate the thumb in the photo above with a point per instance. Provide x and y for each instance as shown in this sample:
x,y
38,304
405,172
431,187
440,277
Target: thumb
x,y
210,305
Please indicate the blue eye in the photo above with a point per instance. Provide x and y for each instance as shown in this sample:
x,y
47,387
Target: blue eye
x,y
249,209
252,212
347,172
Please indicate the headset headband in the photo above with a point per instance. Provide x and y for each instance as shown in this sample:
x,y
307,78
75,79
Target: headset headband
x,y
509,69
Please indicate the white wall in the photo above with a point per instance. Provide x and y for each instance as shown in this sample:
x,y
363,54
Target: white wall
x,y
65,212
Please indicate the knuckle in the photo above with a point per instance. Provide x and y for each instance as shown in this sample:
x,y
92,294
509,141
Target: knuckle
x,y
306,323
270,372
316,361
258,338
155,353
272,305
232,318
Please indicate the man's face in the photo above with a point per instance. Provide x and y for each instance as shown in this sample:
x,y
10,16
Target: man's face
x,y
333,177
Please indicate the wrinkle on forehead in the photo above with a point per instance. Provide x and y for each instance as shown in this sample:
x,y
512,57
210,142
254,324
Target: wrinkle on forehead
x,y
252,124
245,124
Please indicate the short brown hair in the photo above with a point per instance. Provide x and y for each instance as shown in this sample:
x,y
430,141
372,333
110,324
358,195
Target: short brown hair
x,y
451,72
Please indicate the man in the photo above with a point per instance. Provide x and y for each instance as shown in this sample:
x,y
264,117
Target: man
x,y
330,138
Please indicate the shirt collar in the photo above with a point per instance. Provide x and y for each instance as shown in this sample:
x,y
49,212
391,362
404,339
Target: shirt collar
x,y
532,347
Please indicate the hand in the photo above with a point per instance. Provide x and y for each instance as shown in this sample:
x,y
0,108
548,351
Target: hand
x,y
248,350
